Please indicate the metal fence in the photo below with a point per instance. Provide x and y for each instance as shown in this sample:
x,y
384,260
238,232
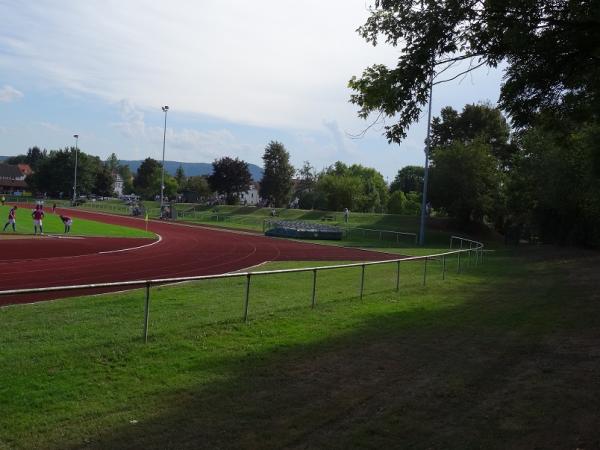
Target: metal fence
x,y
473,253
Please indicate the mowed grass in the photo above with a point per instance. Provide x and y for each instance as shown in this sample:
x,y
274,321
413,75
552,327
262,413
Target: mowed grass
x,y
503,355
81,227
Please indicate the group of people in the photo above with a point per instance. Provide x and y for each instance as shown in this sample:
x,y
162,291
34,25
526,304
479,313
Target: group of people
x,y
38,216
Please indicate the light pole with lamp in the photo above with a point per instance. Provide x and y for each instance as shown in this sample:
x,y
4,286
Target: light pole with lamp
x,y
76,136
162,177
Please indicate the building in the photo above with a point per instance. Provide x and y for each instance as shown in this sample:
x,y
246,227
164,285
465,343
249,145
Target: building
x,y
117,184
250,197
12,179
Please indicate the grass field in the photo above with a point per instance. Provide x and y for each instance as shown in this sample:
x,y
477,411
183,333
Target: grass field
x,y
504,355
252,218
81,227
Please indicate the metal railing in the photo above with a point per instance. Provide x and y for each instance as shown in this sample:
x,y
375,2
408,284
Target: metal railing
x,y
474,253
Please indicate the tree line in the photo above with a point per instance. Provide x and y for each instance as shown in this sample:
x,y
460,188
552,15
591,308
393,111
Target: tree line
x,y
541,174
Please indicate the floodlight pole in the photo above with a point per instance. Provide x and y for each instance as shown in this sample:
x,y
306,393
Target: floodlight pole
x,y
76,136
426,175
162,177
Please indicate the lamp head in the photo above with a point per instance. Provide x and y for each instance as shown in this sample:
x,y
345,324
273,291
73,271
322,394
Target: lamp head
x,y
165,108
76,136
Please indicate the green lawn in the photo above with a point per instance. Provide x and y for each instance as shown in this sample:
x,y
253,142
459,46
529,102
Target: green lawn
x,y
80,227
504,355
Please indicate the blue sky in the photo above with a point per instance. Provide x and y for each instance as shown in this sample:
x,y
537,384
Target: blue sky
x,y
235,75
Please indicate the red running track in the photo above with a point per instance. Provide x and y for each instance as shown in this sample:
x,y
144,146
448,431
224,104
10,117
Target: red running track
x,y
183,250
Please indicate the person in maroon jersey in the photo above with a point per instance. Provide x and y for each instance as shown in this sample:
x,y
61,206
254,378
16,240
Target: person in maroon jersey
x,y
38,215
11,218
67,221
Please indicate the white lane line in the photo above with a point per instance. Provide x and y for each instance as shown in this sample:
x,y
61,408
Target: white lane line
x,y
133,248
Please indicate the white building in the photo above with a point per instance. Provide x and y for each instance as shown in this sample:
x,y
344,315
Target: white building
x,y
250,197
118,184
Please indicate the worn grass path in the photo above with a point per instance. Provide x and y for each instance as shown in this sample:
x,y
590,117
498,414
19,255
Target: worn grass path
x,y
506,355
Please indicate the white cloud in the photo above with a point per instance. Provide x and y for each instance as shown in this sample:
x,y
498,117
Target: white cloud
x,y
272,63
9,94
185,144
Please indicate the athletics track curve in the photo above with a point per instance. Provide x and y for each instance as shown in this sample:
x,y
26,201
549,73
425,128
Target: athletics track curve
x,y
184,250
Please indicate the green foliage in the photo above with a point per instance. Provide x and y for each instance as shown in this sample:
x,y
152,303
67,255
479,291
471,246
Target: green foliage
x,y
465,181
476,122
550,51
405,204
180,177
355,187
103,184
198,184
408,179
147,179
55,173
127,176
230,177
34,157
112,163
276,183
555,185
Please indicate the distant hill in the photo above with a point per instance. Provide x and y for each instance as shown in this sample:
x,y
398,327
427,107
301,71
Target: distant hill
x,y
192,169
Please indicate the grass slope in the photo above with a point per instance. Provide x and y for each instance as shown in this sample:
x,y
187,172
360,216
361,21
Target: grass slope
x,y
504,355
80,227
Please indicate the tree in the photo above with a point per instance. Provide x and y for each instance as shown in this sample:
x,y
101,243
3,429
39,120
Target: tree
x,y
276,183
305,188
549,47
465,181
408,179
355,187
480,122
34,157
554,186
180,176
127,177
198,184
55,173
112,163
147,179
230,177
103,184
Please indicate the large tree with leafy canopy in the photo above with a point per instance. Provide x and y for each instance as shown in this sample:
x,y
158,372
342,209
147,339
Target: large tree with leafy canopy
x,y
549,47
230,177
276,182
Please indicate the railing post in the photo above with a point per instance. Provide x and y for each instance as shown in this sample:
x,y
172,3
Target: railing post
x,y
362,281
470,248
398,277
477,256
451,240
443,267
458,268
247,297
314,292
425,271
146,312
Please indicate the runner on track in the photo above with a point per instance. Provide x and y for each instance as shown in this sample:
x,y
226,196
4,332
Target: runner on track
x,y
11,218
38,215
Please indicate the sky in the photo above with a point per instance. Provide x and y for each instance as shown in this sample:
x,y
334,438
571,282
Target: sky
x,y
234,74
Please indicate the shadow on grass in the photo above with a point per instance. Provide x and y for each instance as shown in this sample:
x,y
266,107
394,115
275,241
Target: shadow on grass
x,y
509,367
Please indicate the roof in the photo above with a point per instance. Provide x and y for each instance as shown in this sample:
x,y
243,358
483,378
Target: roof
x,y
25,169
10,171
13,183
